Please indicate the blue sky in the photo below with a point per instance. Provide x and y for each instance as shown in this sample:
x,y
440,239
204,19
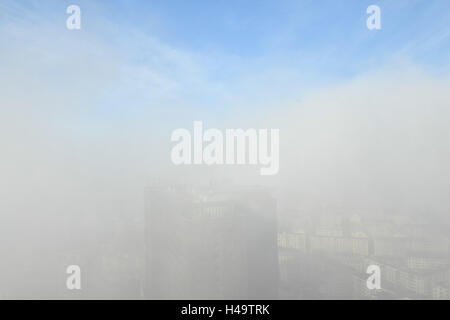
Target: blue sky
x,y
218,54
263,29
255,29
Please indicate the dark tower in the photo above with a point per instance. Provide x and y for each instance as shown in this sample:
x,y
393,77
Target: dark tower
x,y
211,244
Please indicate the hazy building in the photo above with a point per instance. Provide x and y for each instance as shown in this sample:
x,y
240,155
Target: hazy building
x,y
340,245
413,283
441,291
210,244
296,241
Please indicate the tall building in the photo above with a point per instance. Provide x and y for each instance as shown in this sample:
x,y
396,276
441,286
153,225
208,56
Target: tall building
x,y
210,244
